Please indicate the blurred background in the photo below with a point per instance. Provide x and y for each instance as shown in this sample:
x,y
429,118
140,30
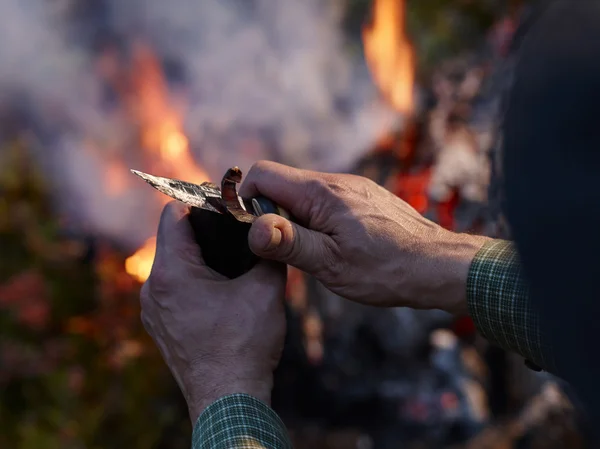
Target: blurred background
x,y
403,91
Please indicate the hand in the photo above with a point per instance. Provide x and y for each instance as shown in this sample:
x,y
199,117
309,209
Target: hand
x,y
360,240
217,336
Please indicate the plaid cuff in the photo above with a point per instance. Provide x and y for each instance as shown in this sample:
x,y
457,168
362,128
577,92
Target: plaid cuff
x,y
498,301
239,421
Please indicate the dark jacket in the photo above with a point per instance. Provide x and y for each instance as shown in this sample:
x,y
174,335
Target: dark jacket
x,y
551,168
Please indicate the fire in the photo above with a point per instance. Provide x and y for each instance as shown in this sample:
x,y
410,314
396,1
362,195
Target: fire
x,y
166,147
140,264
159,119
390,55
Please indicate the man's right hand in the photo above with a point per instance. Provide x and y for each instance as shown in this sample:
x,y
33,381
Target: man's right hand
x,y
361,241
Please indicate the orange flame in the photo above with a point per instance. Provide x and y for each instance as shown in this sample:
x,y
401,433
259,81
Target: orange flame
x,y
390,55
161,136
160,121
140,264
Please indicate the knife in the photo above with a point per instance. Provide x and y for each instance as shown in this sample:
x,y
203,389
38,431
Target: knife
x,y
220,218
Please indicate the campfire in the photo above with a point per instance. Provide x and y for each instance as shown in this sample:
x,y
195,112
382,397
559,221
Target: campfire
x,y
364,377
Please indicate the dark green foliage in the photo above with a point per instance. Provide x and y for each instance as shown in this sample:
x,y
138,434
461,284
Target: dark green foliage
x,y
76,368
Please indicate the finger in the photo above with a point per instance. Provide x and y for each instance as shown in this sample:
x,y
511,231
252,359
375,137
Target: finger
x,y
287,186
174,241
275,238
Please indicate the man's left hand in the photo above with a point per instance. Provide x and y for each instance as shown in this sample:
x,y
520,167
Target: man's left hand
x,y
218,336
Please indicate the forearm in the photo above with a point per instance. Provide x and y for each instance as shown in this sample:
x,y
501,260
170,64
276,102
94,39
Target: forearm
x,y
499,304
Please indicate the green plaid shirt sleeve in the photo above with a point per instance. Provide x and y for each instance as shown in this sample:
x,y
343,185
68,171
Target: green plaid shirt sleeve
x,y
498,302
239,421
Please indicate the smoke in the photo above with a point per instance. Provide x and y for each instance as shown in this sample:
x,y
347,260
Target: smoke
x,y
279,67
29,46
262,79
39,65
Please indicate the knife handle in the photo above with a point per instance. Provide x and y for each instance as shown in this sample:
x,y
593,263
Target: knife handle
x,y
223,240
263,205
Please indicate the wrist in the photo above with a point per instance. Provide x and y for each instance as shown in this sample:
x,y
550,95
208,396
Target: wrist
x,y
200,398
452,255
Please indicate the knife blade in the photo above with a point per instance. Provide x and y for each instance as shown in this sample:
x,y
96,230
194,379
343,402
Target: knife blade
x,y
196,195
209,196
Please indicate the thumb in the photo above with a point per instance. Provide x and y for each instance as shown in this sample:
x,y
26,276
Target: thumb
x,y
276,238
175,242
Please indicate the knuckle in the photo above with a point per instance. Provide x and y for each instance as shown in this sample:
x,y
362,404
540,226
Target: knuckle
x,y
363,182
260,167
355,183
316,187
338,181
315,201
258,174
341,186
253,171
